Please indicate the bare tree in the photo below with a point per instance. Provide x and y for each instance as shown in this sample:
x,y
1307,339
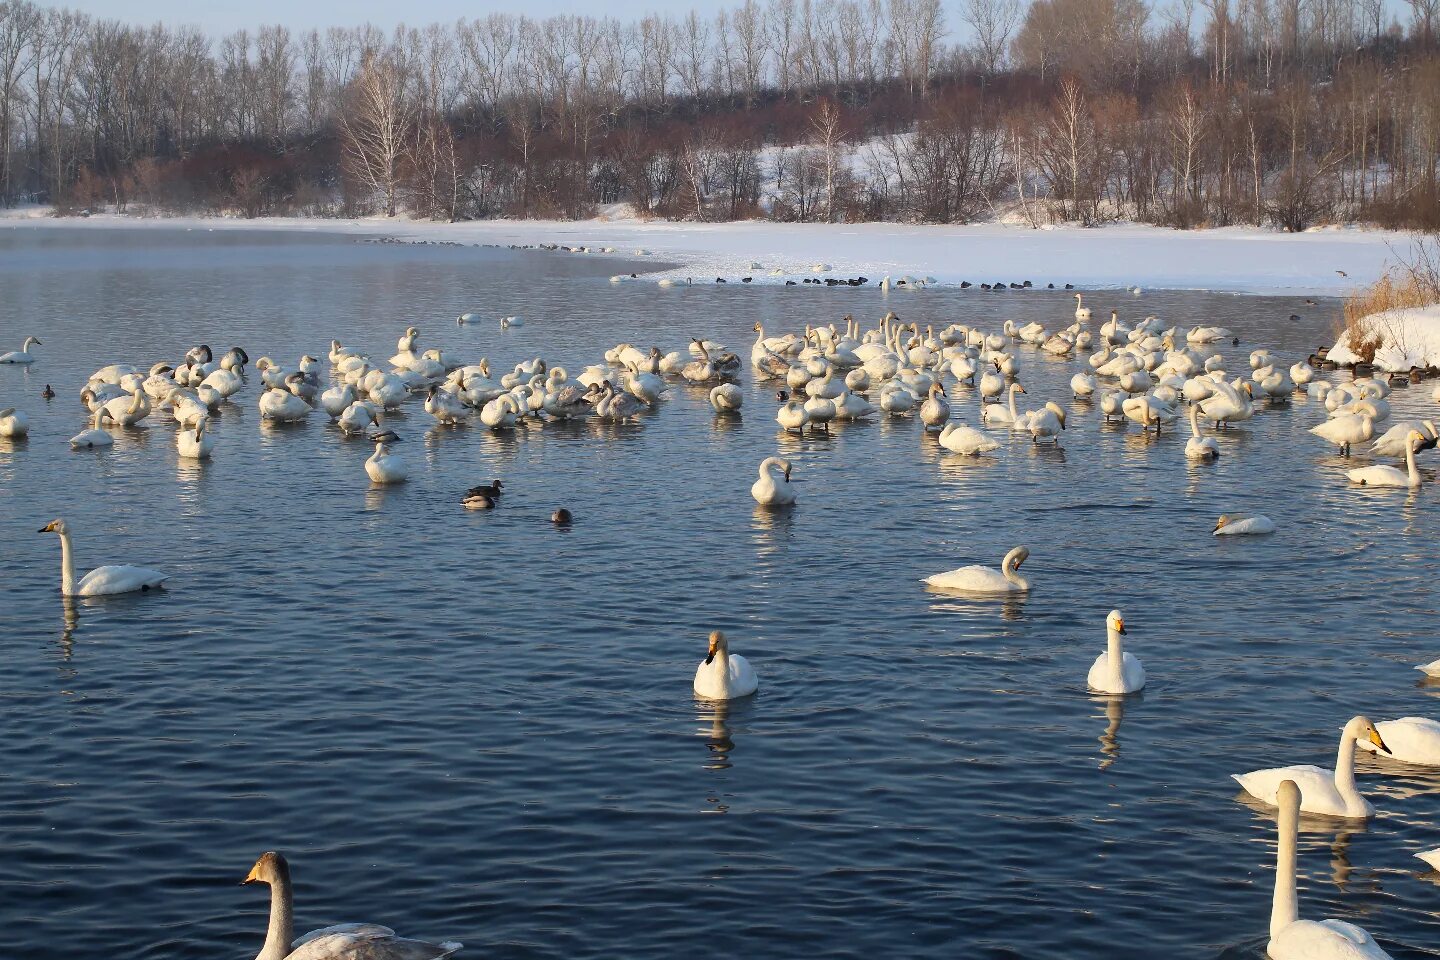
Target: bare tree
x,y
993,22
376,129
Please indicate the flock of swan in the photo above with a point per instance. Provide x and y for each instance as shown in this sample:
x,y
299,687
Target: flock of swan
x,y
1148,372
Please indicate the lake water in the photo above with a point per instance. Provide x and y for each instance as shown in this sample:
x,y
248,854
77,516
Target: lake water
x,y
479,726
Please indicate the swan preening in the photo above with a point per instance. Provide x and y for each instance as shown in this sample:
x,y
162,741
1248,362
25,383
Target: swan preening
x,y
1329,792
773,489
384,466
102,581
1115,670
344,941
1242,524
723,675
1290,937
981,579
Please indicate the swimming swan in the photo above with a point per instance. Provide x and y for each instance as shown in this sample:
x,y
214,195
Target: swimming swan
x,y
773,488
1116,671
23,355
102,581
1410,739
384,466
197,442
1199,446
980,579
1290,937
1240,524
344,941
96,436
13,424
1329,792
723,675
1388,476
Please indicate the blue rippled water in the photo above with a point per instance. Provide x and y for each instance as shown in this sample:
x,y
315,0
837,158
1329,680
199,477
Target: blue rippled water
x,y
479,726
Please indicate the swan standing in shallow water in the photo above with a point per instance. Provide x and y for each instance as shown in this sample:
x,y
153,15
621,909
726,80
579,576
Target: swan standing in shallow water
x,y
96,436
981,579
344,941
1329,792
1240,524
102,581
384,466
23,355
1290,937
1116,671
723,675
773,488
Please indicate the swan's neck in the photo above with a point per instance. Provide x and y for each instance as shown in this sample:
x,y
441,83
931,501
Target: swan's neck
x,y
1116,648
1014,414
1411,473
1345,773
67,567
1013,575
1194,422
282,925
1285,910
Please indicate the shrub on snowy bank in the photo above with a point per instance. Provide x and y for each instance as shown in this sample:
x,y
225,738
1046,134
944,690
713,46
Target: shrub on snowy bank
x,y
1395,322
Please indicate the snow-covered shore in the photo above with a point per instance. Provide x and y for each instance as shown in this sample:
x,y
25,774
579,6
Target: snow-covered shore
x,y
1232,259
1409,337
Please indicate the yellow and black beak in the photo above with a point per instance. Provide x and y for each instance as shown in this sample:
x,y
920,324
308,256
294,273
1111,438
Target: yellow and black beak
x,y
1376,739
710,655
251,877
48,528
1120,627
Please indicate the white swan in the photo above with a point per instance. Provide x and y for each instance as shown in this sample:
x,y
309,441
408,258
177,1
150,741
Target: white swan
x,y
998,413
1329,792
1199,446
344,941
282,406
1393,441
1409,739
963,439
102,581
1082,312
96,436
13,424
723,675
197,442
981,579
726,398
1347,430
357,417
1116,671
935,411
1388,476
1046,423
1290,937
23,355
1083,384
1241,524
384,466
773,488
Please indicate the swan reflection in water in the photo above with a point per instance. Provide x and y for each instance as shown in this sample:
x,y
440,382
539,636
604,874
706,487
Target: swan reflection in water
x,y
1114,715
717,719
1342,833
70,619
977,605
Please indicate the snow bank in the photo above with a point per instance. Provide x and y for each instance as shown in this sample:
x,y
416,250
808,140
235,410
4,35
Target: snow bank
x,y
1233,259
1409,337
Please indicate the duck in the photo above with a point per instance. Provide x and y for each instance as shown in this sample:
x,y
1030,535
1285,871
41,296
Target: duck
x,y
722,675
1290,937
1328,792
344,941
727,398
14,425
1199,446
1414,740
477,501
96,436
1388,476
102,581
493,490
966,440
384,466
981,579
562,517
773,488
1116,671
23,355
1242,524
197,442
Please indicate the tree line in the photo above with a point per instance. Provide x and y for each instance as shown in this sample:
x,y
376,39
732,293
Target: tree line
x,y
1281,112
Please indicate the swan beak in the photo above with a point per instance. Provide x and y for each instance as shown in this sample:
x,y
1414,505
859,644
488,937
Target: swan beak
x,y
251,877
787,473
1120,627
710,655
1376,739
48,528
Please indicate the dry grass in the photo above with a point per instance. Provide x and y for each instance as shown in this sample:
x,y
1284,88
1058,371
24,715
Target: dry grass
x,y
1414,283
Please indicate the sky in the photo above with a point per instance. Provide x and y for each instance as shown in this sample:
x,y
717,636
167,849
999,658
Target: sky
x,y
222,17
